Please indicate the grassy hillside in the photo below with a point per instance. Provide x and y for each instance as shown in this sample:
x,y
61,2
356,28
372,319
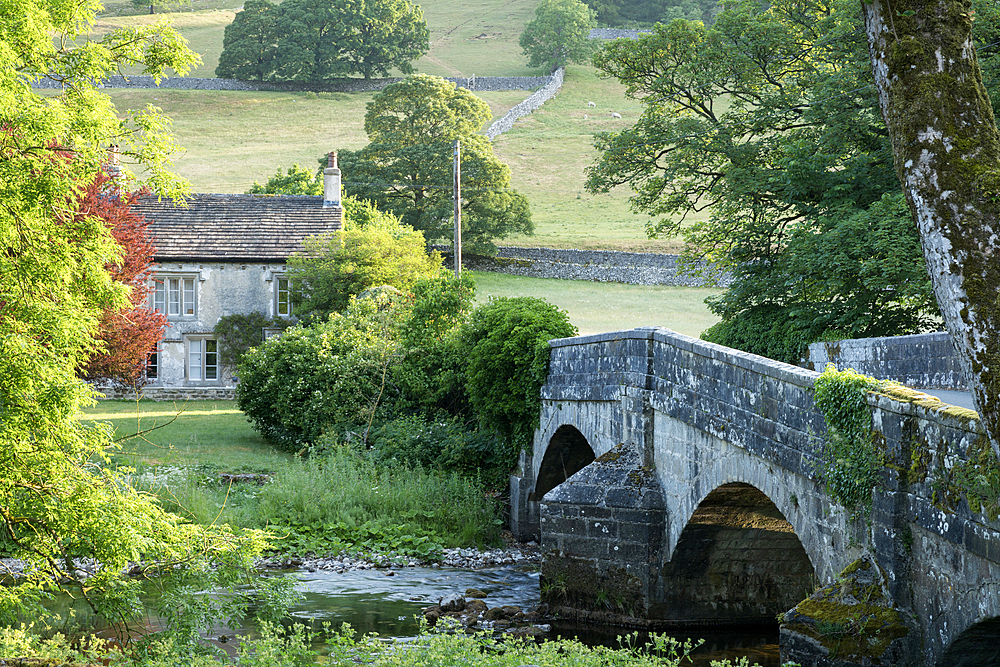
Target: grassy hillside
x,y
235,138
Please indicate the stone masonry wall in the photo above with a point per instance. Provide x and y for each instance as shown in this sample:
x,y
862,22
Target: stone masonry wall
x,y
535,100
340,85
633,268
715,416
925,360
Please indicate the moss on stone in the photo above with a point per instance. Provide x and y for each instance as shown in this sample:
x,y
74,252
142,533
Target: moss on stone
x,y
851,617
613,454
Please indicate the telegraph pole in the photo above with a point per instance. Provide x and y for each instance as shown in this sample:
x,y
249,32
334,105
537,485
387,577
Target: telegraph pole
x,y
457,190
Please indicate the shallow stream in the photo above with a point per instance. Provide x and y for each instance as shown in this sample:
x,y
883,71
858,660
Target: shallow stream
x,y
371,601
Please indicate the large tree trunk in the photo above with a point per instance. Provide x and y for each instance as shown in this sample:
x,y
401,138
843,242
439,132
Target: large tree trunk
x,y
947,153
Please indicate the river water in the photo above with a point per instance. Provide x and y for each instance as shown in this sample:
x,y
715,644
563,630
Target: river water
x,y
371,601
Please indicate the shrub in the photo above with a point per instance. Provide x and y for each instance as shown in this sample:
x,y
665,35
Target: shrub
x,y
373,249
506,345
332,374
239,332
431,373
444,444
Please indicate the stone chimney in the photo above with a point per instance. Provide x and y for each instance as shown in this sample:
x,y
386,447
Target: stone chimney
x,y
331,182
113,169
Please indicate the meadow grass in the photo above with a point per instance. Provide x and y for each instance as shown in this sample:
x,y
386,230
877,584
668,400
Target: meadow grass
x,y
599,307
232,139
207,433
466,36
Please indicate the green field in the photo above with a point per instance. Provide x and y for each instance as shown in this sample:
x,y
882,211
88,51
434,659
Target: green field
x,y
599,307
232,139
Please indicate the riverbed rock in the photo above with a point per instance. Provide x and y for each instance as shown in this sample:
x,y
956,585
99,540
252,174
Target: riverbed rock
x,y
476,606
474,593
453,602
850,622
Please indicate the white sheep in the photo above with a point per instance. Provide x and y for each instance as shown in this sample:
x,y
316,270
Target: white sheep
x,y
591,104
615,114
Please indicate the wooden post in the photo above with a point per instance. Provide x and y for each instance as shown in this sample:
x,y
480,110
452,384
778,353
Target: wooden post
x,y
457,188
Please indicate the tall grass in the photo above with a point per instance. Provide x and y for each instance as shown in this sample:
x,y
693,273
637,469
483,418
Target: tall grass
x,y
341,500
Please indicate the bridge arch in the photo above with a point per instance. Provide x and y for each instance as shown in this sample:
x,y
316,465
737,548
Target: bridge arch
x,y
738,558
567,453
976,647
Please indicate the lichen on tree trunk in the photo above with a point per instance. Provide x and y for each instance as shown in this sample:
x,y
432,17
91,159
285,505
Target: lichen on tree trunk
x,y
947,153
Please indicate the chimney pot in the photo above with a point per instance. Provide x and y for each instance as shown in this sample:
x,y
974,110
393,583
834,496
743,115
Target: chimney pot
x,y
331,182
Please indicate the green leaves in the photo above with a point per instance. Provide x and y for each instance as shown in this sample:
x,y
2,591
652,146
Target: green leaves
x,y
558,34
308,40
852,459
407,167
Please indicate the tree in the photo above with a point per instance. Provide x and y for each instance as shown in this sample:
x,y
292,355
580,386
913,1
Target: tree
x,y
385,34
249,45
559,34
127,334
59,500
769,121
947,153
407,167
373,249
314,40
616,13
297,181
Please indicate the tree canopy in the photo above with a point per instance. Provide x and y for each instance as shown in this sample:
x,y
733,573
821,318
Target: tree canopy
x,y
58,501
127,334
407,167
559,34
616,13
312,40
768,120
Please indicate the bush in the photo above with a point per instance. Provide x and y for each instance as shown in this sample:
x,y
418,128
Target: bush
x,y
506,345
330,375
373,249
431,373
238,333
444,444
769,331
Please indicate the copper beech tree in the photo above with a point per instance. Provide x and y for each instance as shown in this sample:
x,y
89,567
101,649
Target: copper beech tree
x,y
131,332
946,149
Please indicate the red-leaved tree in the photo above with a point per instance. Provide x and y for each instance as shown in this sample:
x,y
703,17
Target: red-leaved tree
x,y
129,335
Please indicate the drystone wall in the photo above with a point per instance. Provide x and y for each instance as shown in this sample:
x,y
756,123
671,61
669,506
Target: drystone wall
x,y
921,360
487,83
634,268
154,393
615,33
535,100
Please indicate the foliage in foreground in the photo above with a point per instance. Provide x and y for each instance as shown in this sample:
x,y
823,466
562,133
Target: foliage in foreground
x,y
294,647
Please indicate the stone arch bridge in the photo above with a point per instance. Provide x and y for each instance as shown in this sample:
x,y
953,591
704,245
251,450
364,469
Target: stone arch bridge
x,y
673,481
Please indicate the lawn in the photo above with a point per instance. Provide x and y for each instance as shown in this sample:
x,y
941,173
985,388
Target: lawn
x,y
599,307
212,434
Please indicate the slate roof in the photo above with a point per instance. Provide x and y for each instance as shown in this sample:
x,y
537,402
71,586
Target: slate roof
x,y
236,228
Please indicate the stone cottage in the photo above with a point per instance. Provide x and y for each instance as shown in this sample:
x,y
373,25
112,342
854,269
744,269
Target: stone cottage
x,y
217,255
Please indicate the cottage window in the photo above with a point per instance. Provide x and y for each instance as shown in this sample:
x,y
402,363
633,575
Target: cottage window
x,y
175,296
203,359
283,298
153,365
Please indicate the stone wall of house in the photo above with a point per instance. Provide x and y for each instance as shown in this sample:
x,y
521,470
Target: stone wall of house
x,y
221,289
921,360
634,268
615,33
